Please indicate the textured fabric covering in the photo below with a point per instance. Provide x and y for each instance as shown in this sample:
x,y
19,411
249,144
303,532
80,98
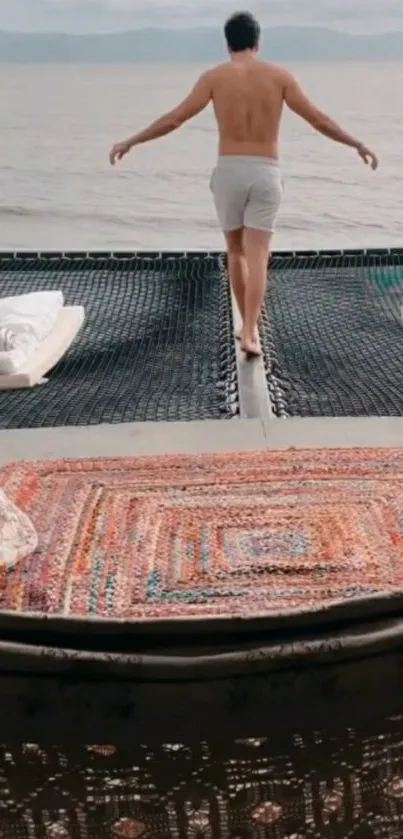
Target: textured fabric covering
x,y
251,536
280,785
280,734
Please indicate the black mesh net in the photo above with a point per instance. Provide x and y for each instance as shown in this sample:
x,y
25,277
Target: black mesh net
x,y
157,343
158,337
332,334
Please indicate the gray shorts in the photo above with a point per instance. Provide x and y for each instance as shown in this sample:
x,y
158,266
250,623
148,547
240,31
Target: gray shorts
x,y
247,191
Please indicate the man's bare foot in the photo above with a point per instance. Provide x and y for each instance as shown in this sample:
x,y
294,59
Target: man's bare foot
x,y
238,335
250,348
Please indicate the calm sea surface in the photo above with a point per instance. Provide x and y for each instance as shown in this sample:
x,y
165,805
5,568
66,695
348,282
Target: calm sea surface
x,y
57,190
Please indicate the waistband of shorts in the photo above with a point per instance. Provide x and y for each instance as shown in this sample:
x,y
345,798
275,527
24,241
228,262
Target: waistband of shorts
x,y
248,160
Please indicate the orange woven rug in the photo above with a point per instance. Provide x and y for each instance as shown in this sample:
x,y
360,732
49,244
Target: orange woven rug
x,y
208,536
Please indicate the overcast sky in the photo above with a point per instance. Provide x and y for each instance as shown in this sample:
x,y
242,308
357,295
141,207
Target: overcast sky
x,y
114,15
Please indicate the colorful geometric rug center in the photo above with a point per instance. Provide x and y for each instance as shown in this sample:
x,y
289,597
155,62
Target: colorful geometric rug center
x,y
207,536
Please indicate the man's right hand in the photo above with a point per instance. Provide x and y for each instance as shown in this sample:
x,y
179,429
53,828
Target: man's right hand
x,y
368,156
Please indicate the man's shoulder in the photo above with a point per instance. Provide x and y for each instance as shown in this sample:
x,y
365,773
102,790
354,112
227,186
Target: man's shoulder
x,y
218,69
215,75
273,69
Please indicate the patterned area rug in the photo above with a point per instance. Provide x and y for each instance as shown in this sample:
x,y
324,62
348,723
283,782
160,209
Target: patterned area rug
x,y
208,536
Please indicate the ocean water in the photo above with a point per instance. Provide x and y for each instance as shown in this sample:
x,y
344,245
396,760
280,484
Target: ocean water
x,y
57,190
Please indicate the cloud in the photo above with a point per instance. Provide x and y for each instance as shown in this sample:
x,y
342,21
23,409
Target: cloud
x,y
113,15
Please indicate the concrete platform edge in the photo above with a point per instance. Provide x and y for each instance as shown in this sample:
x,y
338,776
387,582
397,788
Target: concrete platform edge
x,y
198,437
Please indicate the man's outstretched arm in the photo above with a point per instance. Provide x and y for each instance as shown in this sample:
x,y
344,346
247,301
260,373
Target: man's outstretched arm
x,y
197,100
299,103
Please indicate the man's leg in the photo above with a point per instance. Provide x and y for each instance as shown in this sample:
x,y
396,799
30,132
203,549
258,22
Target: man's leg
x,y
237,267
264,199
256,249
237,270
230,188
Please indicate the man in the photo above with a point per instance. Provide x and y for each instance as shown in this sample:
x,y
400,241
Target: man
x,y
248,97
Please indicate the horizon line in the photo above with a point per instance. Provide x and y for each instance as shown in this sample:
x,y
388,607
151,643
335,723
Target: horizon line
x,y
189,27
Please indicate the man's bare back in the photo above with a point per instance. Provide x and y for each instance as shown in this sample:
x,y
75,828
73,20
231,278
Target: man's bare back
x,y
248,96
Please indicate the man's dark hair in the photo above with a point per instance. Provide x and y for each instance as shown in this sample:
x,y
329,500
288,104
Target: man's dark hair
x,y
242,32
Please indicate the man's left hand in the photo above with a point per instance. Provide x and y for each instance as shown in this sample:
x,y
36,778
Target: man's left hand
x,y
119,151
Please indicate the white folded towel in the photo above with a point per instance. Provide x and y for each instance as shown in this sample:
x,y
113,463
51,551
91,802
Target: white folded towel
x,y
18,537
8,339
24,322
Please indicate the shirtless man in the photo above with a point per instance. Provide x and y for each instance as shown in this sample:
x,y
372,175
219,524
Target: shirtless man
x,y
248,97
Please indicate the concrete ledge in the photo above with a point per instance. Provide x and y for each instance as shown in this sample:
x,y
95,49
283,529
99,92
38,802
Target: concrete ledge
x,y
193,437
343,432
132,439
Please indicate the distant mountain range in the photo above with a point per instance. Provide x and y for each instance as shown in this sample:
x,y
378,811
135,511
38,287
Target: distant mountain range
x,y
201,45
